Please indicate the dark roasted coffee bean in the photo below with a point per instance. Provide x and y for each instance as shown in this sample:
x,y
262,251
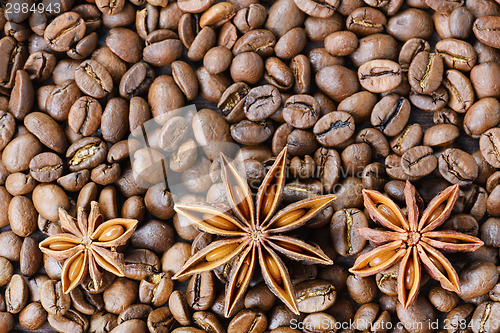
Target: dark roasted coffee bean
x,y
344,230
200,291
334,128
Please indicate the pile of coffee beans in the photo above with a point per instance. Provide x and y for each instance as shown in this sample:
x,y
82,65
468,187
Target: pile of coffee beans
x,y
95,100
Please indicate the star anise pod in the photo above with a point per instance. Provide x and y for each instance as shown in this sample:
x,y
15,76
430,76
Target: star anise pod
x,y
413,242
88,245
251,234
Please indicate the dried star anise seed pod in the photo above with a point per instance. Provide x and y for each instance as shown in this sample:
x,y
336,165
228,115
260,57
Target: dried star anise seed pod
x,y
413,242
252,234
87,244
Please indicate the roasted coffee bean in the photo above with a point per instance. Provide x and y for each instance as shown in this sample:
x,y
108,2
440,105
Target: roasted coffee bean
x,y
457,166
301,111
85,116
53,299
65,30
419,161
19,152
261,102
301,71
125,43
481,116
200,291
93,79
489,144
307,294
457,54
486,30
185,78
460,90
46,167
136,80
337,82
232,102
278,74
379,75
334,128
320,58
160,320
441,135
247,67
409,137
22,95
410,23
71,321
365,21
86,153
162,48
283,16
426,72
344,230
16,294
470,287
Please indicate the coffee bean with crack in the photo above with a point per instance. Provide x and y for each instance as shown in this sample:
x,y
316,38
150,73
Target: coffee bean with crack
x,y
64,31
301,111
489,144
457,54
391,114
426,72
261,102
380,75
419,161
93,79
458,167
334,128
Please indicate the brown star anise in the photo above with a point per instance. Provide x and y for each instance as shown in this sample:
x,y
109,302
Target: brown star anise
x,y
86,247
251,234
413,242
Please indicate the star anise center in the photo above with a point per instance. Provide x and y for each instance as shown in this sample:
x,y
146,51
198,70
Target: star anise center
x,y
413,237
256,235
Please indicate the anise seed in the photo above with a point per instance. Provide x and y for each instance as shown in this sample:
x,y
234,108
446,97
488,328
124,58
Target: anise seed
x,y
111,233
